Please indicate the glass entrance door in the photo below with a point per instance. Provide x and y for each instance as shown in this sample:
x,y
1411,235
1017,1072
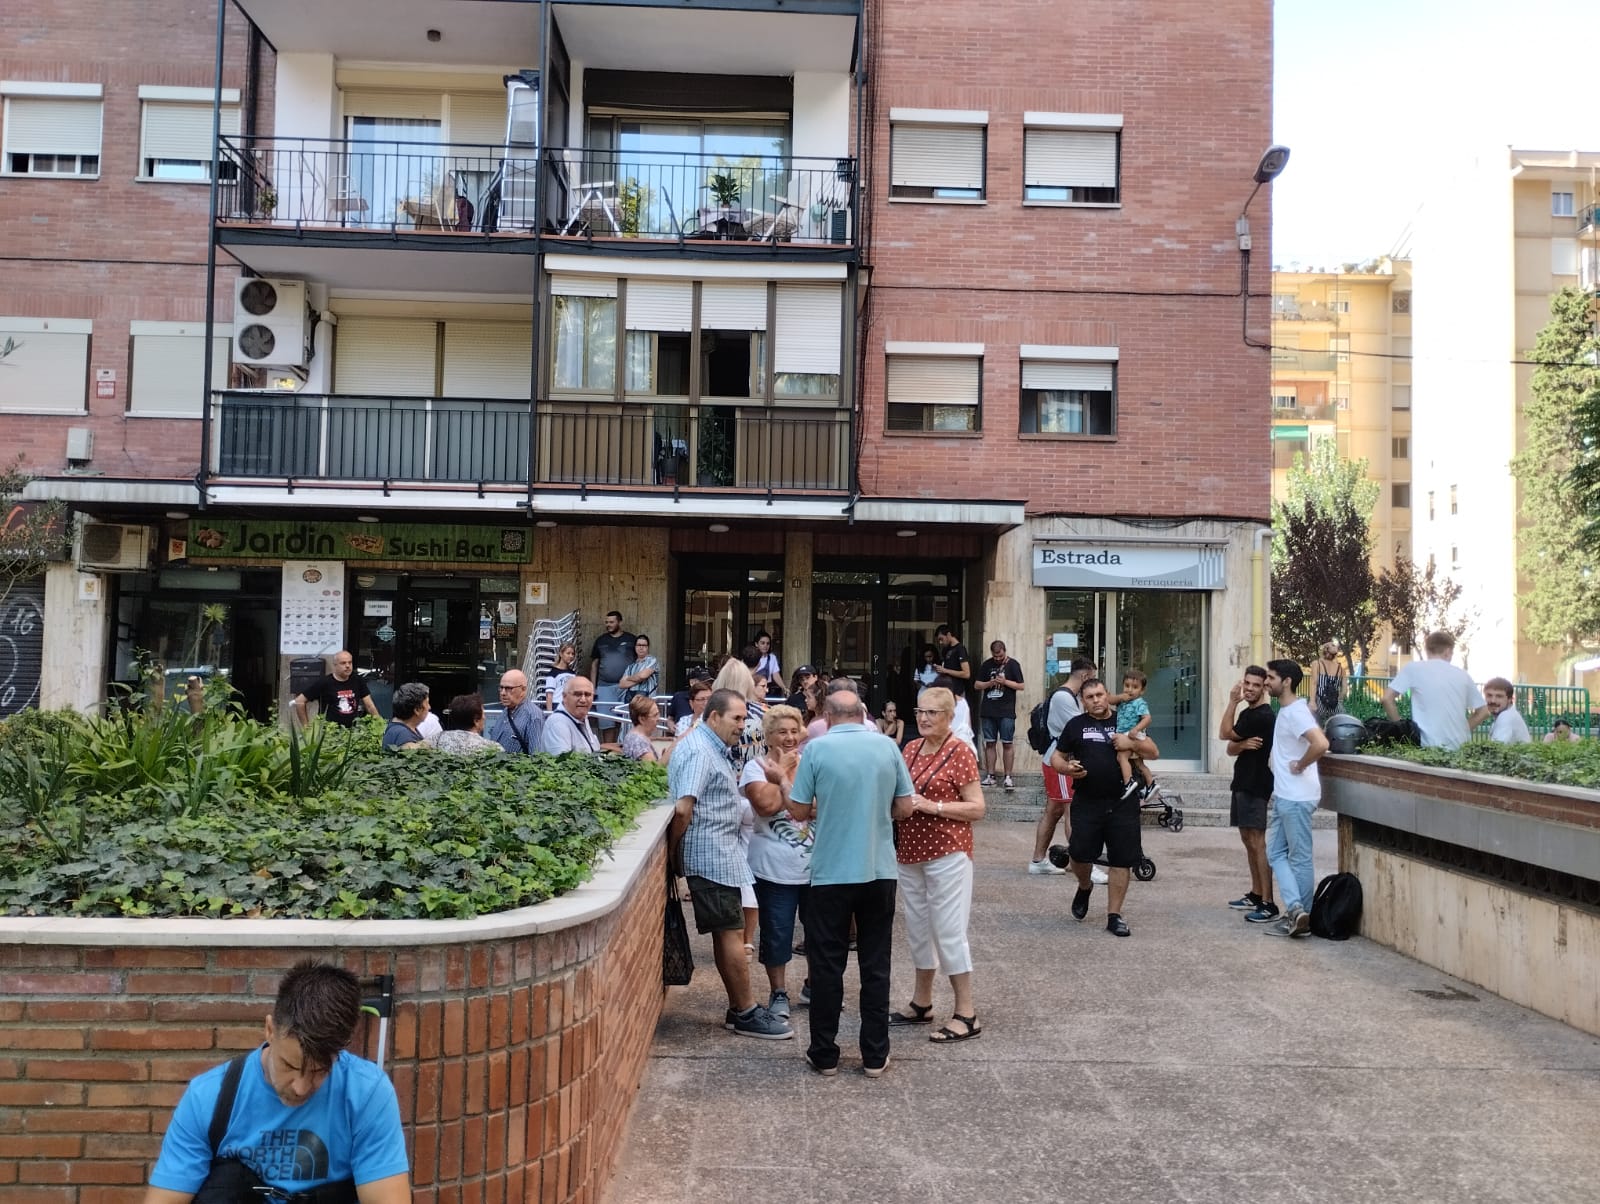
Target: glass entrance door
x,y
872,626
842,637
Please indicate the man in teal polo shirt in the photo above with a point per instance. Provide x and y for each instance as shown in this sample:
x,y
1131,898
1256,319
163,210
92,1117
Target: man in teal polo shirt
x,y
852,783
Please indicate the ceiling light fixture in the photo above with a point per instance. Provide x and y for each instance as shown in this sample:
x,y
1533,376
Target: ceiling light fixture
x,y
718,528
366,518
545,522
177,514
906,533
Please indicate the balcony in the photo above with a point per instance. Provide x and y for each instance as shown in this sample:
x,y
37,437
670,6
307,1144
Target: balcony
x,y
1316,412
704,202
1587,216
464,441
1303,361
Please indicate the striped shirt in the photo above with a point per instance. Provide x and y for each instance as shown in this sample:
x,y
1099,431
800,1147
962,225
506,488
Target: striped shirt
x,y
702,769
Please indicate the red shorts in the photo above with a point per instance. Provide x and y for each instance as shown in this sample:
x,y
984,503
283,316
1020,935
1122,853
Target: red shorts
x,y
1057,787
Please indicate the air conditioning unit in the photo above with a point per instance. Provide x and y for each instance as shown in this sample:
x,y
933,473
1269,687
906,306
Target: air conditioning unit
x,y
111,547
271,322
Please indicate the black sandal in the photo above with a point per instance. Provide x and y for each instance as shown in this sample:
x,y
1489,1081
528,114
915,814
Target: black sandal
x,y
920,1015
946,1034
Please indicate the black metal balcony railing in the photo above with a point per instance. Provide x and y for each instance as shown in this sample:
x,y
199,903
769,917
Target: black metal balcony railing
x,y
397,187
470,441
1587,216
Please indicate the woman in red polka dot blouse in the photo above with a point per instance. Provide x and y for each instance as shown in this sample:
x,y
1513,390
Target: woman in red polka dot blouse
x,y
934,848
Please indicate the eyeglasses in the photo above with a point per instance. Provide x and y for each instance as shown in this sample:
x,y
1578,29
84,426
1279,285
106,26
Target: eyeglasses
x,y
919,712
508,689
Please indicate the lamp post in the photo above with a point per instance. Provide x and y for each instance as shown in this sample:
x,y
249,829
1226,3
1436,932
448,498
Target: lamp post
x,y
1270,168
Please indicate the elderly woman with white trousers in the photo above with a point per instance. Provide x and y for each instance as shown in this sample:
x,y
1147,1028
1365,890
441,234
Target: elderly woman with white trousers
x,y
934,849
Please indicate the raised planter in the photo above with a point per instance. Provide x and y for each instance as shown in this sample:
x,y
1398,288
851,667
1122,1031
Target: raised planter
x,y
1494,880
518,1039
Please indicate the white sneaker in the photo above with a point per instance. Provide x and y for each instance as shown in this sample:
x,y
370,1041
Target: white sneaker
x,y
1009,784
1043,867
1098,876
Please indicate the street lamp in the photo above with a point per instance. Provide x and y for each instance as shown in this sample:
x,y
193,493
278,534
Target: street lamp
x,y
1270,168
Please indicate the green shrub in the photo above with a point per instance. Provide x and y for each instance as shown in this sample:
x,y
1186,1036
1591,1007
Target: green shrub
x,y
1557,764
160,812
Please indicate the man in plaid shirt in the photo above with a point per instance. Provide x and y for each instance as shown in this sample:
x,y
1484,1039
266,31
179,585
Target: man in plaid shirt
x,y
705,837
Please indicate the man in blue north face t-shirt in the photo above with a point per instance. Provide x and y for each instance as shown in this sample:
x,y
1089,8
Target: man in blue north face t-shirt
x,y
307,1112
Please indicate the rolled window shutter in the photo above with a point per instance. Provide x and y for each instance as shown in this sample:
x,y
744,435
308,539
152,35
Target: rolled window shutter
x,y
1070,158
168,369
52,125
732,305
1050,374
477,118
934,380
415,106
385,357
48,371
664,305
176,130
937,156
810,322
581,286
488,359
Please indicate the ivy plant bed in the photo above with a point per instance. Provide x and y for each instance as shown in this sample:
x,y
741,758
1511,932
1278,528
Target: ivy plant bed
x,y
1566,764
164,813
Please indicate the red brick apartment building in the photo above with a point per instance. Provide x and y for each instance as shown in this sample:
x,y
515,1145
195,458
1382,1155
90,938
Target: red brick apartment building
x,y
837,318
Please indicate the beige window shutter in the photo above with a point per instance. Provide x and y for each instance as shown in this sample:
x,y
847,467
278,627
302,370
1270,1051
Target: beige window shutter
x,y
1056,375
582,286
179,130
168,369
46,371
665,305
810,329
52,125
1070,158
386,357
937,156
732,305
488,359
934,380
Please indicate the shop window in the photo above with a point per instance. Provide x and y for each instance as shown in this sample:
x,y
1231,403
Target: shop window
x,y
937,155
1061,397
1071,159
936,393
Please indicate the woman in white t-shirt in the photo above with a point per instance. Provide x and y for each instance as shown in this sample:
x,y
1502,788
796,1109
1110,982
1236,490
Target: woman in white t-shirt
x,y
556,681
768,666
780,846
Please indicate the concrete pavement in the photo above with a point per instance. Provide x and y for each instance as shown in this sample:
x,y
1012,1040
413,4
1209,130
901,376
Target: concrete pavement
x,y
1200,1060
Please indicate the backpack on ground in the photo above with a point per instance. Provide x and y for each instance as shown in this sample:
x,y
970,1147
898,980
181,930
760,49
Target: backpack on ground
x,y
1039,725
1394,731
1336,907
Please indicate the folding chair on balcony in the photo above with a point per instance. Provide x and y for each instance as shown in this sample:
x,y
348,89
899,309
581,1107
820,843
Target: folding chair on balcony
x,y
596,201
781,226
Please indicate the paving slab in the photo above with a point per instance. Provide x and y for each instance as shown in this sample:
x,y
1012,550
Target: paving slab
x,y
1200,1060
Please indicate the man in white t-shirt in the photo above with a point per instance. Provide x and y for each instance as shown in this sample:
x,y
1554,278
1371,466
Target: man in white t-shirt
x,y
1509,725
1442,694
1298,743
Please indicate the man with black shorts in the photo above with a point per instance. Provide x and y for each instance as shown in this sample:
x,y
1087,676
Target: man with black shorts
x,y
1249,737
1100,818
1064,706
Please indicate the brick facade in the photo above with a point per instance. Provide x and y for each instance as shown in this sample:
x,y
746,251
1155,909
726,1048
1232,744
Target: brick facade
x,y
515,1060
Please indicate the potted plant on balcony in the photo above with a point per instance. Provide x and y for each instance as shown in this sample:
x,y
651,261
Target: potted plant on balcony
x,y
725,189
266,201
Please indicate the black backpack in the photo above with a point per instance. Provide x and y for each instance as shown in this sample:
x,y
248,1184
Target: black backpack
x,y
1336,907
1039,725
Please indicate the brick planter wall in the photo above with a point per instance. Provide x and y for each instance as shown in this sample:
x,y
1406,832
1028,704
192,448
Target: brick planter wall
x,y
517,1044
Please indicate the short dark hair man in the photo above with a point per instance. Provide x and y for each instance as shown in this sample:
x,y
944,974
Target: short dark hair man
x,y
342,695
1000,679
705,834
1101,817
306,1112
610,655
1499,696
1249,736
1298,743
956,662
410,708
1064,705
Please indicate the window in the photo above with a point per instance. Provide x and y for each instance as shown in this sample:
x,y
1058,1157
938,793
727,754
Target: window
x,y
934,387
809,347
1071,158
584,334
1454,506
1286,305
1455,556
169,367
1400,448
1339,346
51,129
1400,347
1432,564
175,133
1289,444
1563,256
1285,399
659,315
1400,397
1400,496
1430,505
1068,396
1339,395
937,154
1561,204
44,365
1339,305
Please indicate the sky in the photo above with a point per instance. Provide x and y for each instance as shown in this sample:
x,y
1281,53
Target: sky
x,y
1373,97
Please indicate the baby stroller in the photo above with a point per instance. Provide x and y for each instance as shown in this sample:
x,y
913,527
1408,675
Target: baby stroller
x,y
1143,869
1170,817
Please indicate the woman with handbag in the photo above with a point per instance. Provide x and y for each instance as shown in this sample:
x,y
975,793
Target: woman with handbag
x,y
934,848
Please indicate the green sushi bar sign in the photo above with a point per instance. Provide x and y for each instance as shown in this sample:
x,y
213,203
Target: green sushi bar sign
x,y
252,539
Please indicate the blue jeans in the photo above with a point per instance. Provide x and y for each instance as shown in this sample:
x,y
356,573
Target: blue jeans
x,y
1289,851
778,902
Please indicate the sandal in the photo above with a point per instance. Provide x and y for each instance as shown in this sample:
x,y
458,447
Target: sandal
x,y
946,1034
920,1015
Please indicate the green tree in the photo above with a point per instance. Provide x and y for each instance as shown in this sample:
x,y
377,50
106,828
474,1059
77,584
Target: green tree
x,y
1561,602
1322,584
29,535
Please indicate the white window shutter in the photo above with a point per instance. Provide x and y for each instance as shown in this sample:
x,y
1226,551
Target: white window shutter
x,y
168,369
414,106
810,325
1070,158
665,305
937,156
477,118
1049,374
46,371
732,305
937,380
52,125
582,286
385,357
488,359
178,130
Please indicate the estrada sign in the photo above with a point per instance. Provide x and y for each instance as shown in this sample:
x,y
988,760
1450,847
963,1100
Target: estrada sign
x,y
252,539
1088,565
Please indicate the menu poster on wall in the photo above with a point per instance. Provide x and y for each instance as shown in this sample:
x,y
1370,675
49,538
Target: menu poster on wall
x,y
313,608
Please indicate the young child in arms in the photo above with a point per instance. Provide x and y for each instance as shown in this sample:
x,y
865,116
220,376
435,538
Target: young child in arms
x,y
1133,717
